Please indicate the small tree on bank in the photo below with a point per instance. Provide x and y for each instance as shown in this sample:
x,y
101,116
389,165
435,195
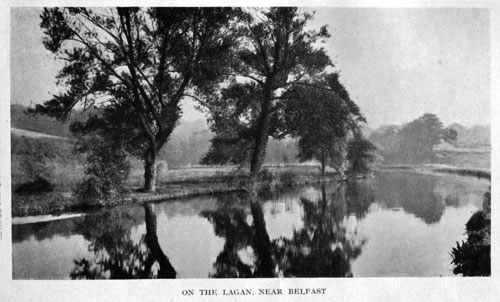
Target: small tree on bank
x,y
136,65
107,170
360,153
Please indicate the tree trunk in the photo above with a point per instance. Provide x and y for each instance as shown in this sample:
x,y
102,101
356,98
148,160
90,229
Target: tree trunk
x,y
150,170
166,269
151,155
323,163
263,246
261,138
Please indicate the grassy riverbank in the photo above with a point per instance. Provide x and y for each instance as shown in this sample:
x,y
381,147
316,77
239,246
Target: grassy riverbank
x,y
188,182
53,159
182,183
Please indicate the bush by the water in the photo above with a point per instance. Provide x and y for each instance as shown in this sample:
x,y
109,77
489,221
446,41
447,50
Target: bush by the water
x,y
107,170
39,185
287,178
473,257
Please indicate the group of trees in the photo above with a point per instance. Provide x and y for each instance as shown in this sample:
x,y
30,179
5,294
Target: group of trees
x,y
257,73
413,142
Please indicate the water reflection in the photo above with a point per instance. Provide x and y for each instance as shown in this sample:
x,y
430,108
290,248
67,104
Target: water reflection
x,y
319,249
372,227
415,193
116,255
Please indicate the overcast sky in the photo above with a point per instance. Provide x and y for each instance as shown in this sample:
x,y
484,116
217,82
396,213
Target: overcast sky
x,y
396,63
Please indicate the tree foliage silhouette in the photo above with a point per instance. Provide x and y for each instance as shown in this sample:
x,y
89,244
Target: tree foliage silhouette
x,y
136,65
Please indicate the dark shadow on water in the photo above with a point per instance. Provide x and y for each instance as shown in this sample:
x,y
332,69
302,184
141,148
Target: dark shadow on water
x,y
319,249
116,254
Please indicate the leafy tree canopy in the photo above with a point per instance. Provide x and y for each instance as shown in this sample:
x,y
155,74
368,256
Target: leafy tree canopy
x,y
322,116
137,64
277,52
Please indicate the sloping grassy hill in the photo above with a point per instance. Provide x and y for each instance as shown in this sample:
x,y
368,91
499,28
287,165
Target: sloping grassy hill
x,y
36,123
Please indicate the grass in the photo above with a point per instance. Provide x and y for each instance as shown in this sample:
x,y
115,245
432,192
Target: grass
x,y
44,203
52,159
460,161
170,184
465,158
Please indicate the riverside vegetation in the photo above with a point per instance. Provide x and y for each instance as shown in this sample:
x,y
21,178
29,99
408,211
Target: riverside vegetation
x,y
48,175
46,171
472,257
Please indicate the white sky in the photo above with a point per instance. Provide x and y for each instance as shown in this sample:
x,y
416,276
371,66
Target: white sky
x,y
396,63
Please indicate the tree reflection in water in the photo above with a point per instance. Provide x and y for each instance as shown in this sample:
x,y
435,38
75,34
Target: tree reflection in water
x,y
117,256
416,193
320,249
323,247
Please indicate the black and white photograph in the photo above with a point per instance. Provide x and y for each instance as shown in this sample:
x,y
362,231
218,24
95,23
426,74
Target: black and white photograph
x,y
186,142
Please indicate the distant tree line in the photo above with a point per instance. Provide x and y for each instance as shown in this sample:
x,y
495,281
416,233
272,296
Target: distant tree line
x,y
472,137
413,142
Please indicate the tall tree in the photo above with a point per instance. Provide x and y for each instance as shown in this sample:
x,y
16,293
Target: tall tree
x,y
136,64
277,51
322,116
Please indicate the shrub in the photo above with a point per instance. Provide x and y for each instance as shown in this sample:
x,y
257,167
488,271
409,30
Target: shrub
x,y
472,257
107,170
236,179
266,176
288,178
39,185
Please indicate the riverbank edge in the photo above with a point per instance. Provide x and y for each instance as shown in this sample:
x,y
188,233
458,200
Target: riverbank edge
x,y
437,168
65,204
22,214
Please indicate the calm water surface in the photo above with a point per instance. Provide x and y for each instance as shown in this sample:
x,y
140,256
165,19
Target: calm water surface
x,y
398,223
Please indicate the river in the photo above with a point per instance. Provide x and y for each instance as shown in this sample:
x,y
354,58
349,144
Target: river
x,y
398,223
